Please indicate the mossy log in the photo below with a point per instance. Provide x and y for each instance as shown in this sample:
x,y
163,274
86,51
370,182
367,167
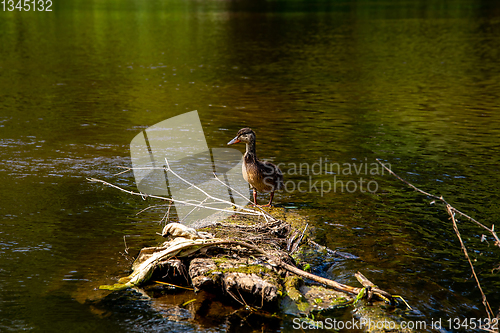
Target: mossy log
x,y
258,272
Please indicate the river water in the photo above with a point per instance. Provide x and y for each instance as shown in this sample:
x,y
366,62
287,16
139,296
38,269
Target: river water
x,y
327,86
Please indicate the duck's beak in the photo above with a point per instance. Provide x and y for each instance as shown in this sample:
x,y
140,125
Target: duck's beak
x,y
233,141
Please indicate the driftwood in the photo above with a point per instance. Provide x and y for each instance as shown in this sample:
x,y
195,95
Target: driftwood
x,y
247,257
237,277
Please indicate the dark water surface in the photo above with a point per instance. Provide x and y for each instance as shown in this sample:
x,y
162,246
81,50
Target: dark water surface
x,y
414,83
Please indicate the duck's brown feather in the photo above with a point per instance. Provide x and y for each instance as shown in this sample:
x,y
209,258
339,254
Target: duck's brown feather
x,y
263,176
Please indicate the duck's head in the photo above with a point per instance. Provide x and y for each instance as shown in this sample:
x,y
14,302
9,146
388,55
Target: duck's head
x,y
245,135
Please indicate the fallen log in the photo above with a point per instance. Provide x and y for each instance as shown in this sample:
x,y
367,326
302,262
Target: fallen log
x,y
181,247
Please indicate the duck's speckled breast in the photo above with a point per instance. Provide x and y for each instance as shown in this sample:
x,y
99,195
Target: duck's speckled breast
x,y
262,176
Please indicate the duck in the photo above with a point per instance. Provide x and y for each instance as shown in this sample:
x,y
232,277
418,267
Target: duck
x,y
263,176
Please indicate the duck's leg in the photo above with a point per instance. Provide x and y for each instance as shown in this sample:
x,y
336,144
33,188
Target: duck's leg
x,y
270,200
255,197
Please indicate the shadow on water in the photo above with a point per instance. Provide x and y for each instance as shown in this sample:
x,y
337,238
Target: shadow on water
x,y
414,83
163,309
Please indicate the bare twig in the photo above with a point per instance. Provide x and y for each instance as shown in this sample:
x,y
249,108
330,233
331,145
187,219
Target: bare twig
x,y
173,285
192,210
232,189
204,192
455,227
125,242
297,243
412,186
452,211
277,261
125,253
293,269
167,214
122,172
144,196
202,204
145,209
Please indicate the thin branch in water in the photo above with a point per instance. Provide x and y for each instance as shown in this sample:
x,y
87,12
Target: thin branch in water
x,y
126,254
451,212
455,227
233,190
192,210
173,285
203,204
412,186
242,298
121,172
145,196
491,230
297,243
167,214
145,209
266,216
263,213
